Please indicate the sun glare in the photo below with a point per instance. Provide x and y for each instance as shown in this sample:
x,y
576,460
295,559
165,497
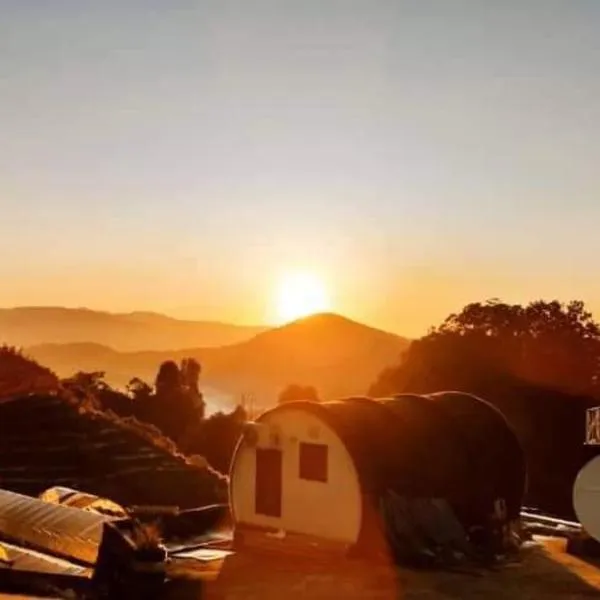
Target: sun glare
x,y
300,295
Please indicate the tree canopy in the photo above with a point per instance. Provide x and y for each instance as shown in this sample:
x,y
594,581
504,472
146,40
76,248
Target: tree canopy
x,y
215,438
173,405
139,390
177,403
90,382
295,392
544,343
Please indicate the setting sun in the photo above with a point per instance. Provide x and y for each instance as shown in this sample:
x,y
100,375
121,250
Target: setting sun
x,y
299,295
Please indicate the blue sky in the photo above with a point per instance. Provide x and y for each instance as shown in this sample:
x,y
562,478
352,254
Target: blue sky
x,y
181,156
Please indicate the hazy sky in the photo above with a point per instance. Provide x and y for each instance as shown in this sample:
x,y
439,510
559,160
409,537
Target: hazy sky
x,y
180,156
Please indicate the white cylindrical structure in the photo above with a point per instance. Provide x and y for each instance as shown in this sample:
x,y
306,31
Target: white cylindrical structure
x,y
586,497
291,472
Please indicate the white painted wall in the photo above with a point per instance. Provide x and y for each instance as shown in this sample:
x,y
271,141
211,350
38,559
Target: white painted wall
x,y
329,510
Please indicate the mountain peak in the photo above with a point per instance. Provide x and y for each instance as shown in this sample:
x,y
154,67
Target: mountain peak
x,y
332,321
323,317
320,333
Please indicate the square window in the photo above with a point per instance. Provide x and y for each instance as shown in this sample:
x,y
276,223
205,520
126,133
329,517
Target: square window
x,y
313,462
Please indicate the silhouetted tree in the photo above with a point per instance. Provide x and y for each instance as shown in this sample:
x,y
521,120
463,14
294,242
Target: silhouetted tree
x,y
168,379
298,392
117,402
215,438
174,406
190,374
139,390
93,387
88,382
544,343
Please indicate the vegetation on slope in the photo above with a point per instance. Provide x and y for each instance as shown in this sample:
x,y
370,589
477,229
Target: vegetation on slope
x,y
172,411
20,375
294,392
62,436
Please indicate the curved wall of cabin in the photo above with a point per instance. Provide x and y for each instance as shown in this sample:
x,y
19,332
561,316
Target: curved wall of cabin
x,y
330,510
495,456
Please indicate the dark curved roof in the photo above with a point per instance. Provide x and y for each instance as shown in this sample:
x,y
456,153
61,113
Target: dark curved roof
x,y
355,419
496,457
431,447
448,445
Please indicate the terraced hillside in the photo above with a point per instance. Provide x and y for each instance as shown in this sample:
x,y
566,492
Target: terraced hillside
x,y
51,439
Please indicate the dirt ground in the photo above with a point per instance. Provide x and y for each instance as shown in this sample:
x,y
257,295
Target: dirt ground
x,y
545,572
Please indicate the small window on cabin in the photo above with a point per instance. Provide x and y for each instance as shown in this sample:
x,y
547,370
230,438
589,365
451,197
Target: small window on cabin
x,y
313,462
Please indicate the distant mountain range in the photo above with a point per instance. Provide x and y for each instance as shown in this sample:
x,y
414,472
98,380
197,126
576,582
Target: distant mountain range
x,y
130,332
336,355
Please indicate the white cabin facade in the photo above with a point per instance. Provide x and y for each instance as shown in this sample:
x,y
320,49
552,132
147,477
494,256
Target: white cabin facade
x,y
288,465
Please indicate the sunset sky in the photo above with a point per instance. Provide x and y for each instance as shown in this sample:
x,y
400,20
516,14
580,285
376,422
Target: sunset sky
x,y
184,156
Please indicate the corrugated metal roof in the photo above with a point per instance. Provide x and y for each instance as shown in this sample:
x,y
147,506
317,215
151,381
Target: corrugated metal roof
x,y
25,559
59,530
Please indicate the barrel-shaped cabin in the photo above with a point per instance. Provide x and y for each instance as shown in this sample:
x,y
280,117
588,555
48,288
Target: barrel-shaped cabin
x,y
322,470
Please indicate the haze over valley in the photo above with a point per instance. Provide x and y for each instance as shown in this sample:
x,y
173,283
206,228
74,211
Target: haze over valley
x,y
336,355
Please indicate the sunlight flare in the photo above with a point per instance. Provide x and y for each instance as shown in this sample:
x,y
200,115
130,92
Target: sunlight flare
x,y
299,295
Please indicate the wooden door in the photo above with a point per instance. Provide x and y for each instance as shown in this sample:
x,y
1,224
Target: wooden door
x,y
269,481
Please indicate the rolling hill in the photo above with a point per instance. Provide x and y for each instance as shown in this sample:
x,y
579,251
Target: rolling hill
x,y
336,355
126,332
